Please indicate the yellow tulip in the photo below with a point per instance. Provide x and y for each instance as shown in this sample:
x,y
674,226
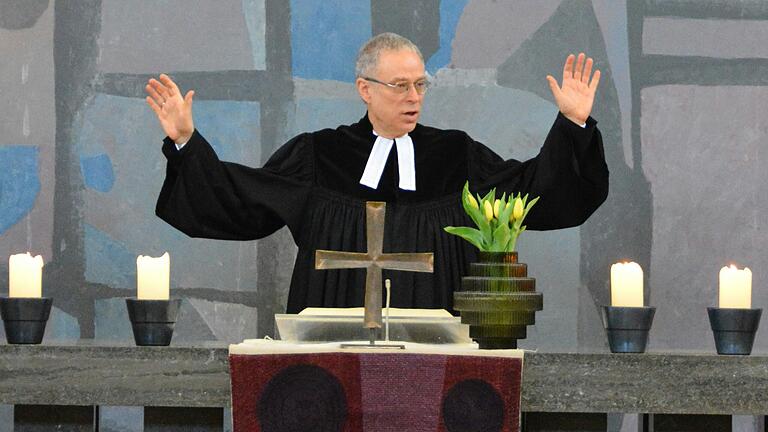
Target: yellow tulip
x,y
496,206
488,210
472,201
517,212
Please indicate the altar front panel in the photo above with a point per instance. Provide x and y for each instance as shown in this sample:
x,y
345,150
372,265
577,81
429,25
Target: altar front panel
x,y
375,392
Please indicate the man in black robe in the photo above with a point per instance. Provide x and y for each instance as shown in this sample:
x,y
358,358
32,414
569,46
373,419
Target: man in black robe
x,y
317,183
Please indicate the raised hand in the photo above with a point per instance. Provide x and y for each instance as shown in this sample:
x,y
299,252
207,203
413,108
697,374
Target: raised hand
x,y
577,94
173,111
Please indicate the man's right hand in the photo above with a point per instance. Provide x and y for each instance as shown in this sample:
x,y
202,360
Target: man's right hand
x,y
173,111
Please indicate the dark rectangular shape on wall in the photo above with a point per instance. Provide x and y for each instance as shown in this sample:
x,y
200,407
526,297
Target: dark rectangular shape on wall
x,y
233,85
166,419
564,422
716,9
690,423
417,20
654,70
46,418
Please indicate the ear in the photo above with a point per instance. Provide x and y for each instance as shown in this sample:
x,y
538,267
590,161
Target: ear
x,y
363,89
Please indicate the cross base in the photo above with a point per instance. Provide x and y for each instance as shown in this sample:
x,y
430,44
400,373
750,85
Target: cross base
x,y
372,345
372,342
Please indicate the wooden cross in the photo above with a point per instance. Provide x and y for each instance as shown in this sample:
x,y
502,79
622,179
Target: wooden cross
x,y
374,261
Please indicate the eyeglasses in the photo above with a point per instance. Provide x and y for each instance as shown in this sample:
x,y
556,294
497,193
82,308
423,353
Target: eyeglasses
x,y
420,86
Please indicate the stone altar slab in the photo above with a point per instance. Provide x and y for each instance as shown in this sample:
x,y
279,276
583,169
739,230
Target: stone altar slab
x,y
86,373
124,375
661,383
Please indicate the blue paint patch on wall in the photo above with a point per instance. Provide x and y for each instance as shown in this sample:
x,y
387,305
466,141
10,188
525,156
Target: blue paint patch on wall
x,y
108,129
325,37
19,183
97,172
108,261
61,326
111,322
254,12
232,129
122,418
450,13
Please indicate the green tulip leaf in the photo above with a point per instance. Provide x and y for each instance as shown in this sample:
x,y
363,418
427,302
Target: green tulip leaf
x,y
500,238
469,234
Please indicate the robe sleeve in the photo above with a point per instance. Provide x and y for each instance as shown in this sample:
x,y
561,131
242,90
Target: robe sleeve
x,y
569,174
205,197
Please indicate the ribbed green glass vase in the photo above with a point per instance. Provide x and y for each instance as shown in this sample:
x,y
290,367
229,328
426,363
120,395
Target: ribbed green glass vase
x,y
498,300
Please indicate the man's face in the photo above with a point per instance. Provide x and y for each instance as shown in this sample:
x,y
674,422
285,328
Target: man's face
x,y
393,114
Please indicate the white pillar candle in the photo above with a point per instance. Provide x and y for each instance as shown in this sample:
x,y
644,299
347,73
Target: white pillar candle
x,y
153,277
626,285
25,276
735,288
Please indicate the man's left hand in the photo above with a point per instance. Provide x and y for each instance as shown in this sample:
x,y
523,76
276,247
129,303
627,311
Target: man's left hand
x,y
577,94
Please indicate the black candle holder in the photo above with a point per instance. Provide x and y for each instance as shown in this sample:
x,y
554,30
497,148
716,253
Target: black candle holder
x,y
627,327
152,320
25,318
734,329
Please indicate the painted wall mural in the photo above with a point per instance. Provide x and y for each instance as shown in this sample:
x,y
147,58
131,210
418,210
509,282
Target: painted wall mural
x,y
679,106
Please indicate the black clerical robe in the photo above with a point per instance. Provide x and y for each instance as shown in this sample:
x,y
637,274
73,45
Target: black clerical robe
x,y
311,184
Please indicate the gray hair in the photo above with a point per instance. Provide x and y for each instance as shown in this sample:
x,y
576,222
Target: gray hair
x,y
368,56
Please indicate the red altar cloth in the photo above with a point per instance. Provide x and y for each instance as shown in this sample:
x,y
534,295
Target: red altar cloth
x,y
375,391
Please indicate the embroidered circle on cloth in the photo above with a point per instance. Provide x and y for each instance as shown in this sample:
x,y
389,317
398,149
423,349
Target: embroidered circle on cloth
x,y
473,406
302,398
